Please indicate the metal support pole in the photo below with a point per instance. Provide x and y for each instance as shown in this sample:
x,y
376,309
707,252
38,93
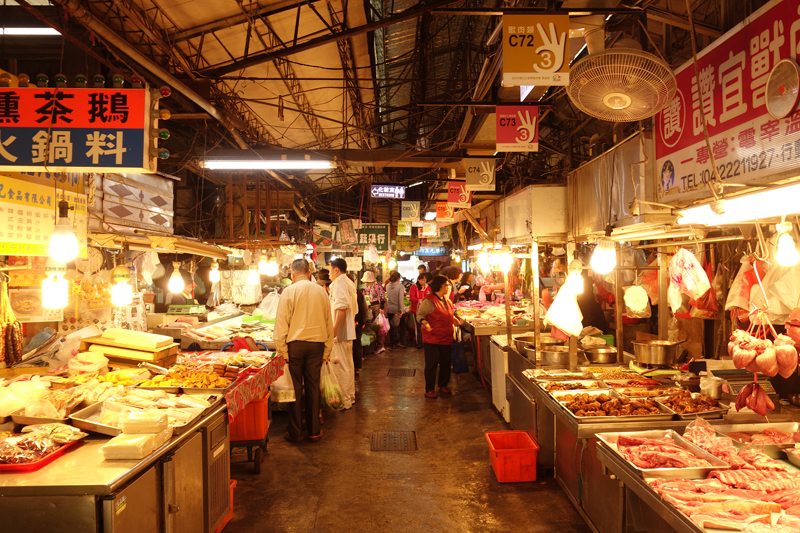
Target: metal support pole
x,y
230,204
663,303
619,306
573,353
508,310
535,292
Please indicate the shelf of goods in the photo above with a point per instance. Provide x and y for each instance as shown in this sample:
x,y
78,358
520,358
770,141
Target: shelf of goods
x,y
216,334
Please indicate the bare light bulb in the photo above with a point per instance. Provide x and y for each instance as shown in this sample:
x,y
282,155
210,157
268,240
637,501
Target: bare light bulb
x,y
786,253
272,267
262,264
604,258
213,275
121,294
483,262
175,284
63,242
55,292
253,277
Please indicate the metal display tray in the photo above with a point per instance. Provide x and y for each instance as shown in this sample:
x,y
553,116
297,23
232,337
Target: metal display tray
x,y
19,418
776,451
81,419
793,458
696,472
190,390
170,390
717,413
587,383
666,415
566,376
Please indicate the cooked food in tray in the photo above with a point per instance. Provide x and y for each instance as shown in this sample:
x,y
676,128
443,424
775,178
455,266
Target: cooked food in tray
x,y
604,405
684,402
647,393
569,385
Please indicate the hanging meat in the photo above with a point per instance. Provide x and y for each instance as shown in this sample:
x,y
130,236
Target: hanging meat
x,y
756,398
11,337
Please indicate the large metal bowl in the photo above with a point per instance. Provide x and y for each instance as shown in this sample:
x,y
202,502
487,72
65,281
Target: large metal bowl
x,y
559,356
601,356
523,342
657,352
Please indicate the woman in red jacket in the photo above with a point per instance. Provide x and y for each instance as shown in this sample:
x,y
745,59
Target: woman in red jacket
x,y
418,292
437,316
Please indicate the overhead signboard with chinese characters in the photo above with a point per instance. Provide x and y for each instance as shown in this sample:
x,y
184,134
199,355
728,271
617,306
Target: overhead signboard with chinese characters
x,y
746,141
432,251
331,238
535,50
404,228
394,192
517,128
410,211
68,130
407,244
28,214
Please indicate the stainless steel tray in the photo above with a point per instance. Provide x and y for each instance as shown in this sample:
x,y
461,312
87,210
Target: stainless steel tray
x,y
793,458
19,418
190,390
683,473
666,414
565,376
717,413
597,385
81,419
171,390
776,451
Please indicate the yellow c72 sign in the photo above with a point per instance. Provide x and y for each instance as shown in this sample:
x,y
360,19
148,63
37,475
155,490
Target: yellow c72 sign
x,y
535,50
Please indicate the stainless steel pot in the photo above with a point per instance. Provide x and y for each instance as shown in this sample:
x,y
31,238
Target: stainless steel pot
x,y
662,353
601,356
523,342
559,356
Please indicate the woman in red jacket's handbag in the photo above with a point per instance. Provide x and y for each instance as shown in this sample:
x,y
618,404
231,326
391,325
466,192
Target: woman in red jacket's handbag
x,y
437,316
418,292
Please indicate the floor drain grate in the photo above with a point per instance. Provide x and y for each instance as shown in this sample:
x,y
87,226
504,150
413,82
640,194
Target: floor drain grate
x,y
394,441
402,372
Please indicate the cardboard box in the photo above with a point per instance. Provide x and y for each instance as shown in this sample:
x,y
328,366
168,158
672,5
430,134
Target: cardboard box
x,y
156,319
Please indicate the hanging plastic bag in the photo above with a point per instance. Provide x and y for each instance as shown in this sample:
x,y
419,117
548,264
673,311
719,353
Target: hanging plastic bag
x,y
382,323
565,313
371,254
330,389
283,388
269,305
637,304
396,319
648,280
688,274
739,295
365,339
674,297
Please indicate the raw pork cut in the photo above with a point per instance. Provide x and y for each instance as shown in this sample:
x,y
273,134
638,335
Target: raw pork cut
x,y
787,356
761,461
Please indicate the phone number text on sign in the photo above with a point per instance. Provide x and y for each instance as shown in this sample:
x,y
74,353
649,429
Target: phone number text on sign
x,y
746,142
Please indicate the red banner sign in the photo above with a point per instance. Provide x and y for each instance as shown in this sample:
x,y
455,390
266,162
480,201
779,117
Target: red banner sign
x,y
517,128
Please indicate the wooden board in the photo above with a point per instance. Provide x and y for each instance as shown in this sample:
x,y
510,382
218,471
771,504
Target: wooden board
x,y
120,362
146,355
144,340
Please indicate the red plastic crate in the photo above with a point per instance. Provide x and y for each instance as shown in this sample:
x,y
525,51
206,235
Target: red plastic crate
x,y
252,423
230,511
513,455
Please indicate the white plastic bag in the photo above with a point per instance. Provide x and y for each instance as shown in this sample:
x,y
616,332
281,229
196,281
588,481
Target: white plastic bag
x,y
88,364
674,297
269,305
739,294
688,274
637,304
371,254
565,313
282,388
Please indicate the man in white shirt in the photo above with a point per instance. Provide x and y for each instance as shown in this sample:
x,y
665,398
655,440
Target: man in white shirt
x,y
343,309
304,333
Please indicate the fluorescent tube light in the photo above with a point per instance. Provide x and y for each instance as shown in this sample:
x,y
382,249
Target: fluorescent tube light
x,y
766,204
652,234
430,215
275,164
29,31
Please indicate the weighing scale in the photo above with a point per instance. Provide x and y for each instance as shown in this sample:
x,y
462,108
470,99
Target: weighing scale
x,y
737,379
186,309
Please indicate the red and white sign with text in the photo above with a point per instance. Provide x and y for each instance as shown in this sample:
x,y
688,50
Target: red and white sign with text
x,y
747,142
517,128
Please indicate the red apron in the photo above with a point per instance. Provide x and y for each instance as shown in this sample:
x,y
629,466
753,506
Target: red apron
x,y
441,320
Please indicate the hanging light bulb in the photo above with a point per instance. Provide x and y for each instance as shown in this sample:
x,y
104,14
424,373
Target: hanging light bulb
x,y
63,242
392,262
213,275
55,289
121,290
262,264
604,258
786,253
253,277
175,284
483,262
272,267
574,283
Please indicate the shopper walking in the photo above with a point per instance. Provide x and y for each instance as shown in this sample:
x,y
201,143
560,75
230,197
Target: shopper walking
x,y
437,315
418,292
343,309
361,319
395,302
304,334
376,298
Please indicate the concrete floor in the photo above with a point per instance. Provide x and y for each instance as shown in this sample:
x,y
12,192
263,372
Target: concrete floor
x,y
338,484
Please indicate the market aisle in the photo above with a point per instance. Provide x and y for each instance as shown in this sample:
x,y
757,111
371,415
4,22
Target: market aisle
x,y
338,484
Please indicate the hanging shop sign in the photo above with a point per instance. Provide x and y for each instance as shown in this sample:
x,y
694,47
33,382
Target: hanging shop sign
x,y
535,50
517,128
458,195
27,306
348,232
407,244
323,237
432,250
746,141
68,130
354,264
393,192
442,236
404,228
28,215
480,173
377,234
329,238
410,211
429,229
445,212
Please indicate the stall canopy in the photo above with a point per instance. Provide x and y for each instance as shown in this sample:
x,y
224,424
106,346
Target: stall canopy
x,y
160,244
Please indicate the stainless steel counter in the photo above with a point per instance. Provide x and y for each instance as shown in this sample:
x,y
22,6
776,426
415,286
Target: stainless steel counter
x,y
83,471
